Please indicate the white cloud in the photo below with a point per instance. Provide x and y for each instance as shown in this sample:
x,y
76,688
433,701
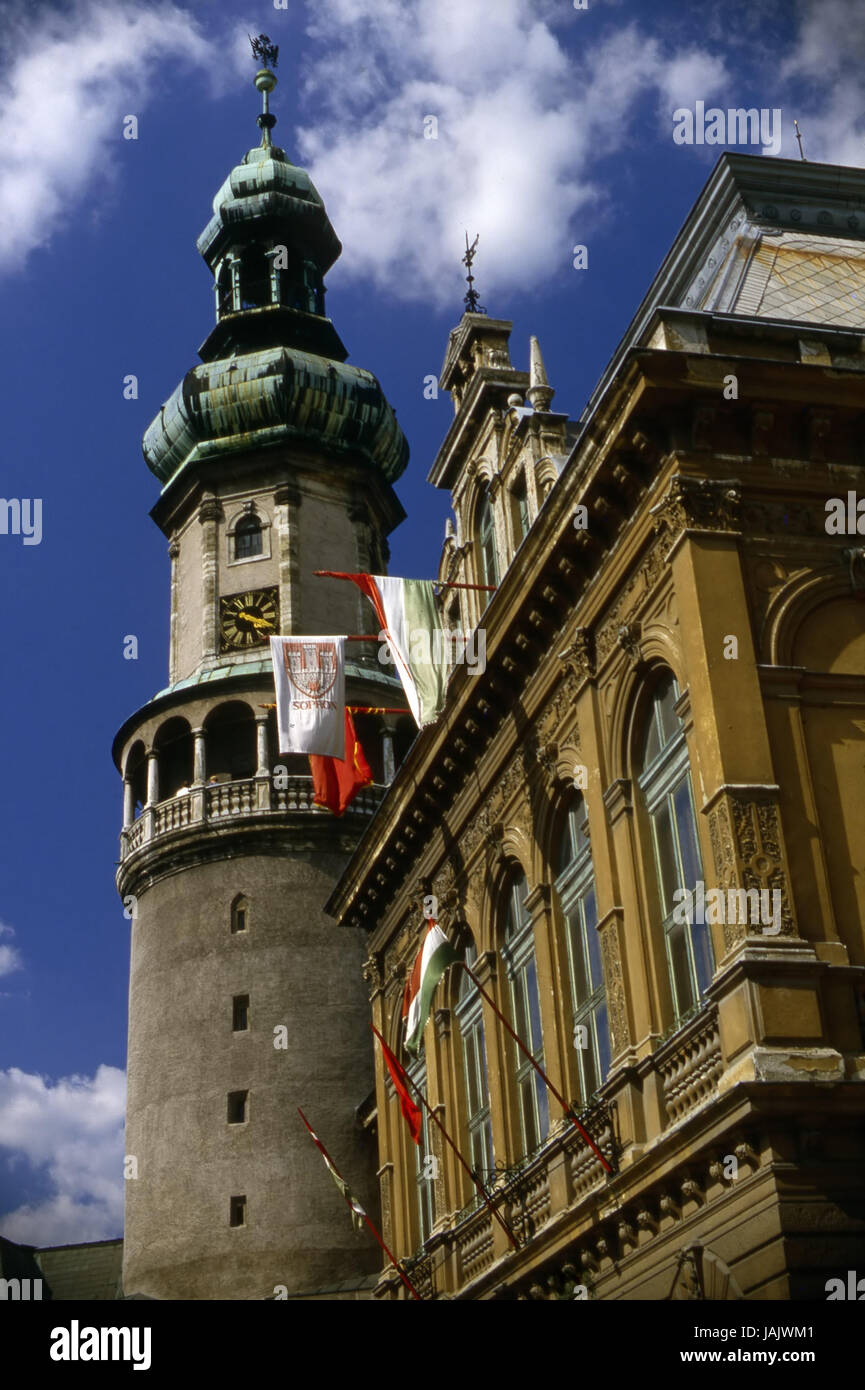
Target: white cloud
x,y
828,56
74,76
73,1129
521,126
10,956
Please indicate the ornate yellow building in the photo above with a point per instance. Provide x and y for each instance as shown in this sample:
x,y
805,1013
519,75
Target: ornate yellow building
x,y
644,818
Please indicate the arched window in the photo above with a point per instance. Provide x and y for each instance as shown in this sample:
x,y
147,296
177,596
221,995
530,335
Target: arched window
x,y
665,783
518,953
254,279
470,1021
173,742
239,914
231,742
225,289
489,560
575,885
247,537
520,511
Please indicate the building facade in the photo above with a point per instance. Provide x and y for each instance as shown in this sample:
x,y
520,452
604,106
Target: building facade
x,y
643,821
276,458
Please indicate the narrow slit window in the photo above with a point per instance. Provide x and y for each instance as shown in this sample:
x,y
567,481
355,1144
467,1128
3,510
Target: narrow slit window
x,y
237,1211
239,915
238,1105
240,1013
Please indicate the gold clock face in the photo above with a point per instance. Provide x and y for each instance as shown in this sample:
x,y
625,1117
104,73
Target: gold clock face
x,y
248,619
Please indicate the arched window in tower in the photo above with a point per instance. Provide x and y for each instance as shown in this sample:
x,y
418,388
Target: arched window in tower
x,y
247,537
575,885
518,953
173,743
239,914
470,1022
136,776
664,778
254,278
225,289
230,736
486,537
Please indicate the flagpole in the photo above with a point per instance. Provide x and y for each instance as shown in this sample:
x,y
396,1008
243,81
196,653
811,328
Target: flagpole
x,y
315,1139
434,1117
541,1073
440,583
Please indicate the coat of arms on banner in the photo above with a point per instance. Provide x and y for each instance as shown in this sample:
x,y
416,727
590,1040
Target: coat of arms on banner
x,y
311,667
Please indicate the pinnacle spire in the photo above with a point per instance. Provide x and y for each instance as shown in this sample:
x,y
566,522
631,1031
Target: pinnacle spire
x,y
540,393
265,81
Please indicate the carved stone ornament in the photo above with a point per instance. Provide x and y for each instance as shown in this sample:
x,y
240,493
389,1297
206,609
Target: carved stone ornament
x,y
579,656
614,980
745,834
699,504
628,638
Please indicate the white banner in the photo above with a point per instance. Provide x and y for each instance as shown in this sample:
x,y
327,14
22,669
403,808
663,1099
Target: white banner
x,y
309,675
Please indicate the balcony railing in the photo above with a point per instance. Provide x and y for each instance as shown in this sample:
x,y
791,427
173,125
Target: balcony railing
x,y
231,801
690,1064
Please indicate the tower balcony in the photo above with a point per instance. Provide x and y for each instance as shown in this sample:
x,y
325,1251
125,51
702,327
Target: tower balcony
x,y
229,802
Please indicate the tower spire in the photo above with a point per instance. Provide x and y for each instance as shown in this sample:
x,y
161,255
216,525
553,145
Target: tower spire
x,y
540,393
265,80
472,299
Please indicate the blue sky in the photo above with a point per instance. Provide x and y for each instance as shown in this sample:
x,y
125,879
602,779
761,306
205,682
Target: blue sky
x,y
554,129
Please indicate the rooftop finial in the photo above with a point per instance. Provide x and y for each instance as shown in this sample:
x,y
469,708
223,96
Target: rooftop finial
x,y
799,138
265,81
471,300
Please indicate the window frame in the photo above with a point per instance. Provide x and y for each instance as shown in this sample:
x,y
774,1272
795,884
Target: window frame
x,y
660,782
521,969
468,1012
575,886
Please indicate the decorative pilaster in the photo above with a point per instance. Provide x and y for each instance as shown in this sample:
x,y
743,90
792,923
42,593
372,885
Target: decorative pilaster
x,y
287,506
748,851
209,515
173,554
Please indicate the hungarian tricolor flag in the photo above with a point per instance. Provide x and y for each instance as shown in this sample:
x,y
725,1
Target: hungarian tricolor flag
x,y
409,616
410,1112
432,960
357,1212
335,781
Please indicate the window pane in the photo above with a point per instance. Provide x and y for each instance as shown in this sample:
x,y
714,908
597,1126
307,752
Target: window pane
x,y
527,1109
603,1031
588,1068
666,697
543,1107
578,961
593,941
536,1041
684,807
668,877
702,944
471,1061
680,968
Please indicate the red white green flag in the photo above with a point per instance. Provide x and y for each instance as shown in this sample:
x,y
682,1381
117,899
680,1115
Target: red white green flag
x,y
358,1214
431,962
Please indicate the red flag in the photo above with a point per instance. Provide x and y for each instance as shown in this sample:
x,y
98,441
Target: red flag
x,y
335,781
410,1112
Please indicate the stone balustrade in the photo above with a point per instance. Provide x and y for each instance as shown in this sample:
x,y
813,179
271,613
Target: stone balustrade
x,y
230,801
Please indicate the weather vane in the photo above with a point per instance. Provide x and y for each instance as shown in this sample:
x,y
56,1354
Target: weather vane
x,y
799,138
266,52
471,300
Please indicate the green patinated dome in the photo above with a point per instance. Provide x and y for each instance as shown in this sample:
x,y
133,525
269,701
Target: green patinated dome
x,y
273,368
270,396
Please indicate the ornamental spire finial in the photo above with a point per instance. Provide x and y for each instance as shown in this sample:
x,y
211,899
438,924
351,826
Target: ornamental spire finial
x,y
471,300
267,53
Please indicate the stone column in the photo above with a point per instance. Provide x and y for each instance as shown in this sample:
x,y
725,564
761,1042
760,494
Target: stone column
x,y
262,772
152,777
287,505
199,758
209,514
128,803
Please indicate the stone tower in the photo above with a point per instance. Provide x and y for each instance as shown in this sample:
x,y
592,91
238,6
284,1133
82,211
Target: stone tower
x,y
276,458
